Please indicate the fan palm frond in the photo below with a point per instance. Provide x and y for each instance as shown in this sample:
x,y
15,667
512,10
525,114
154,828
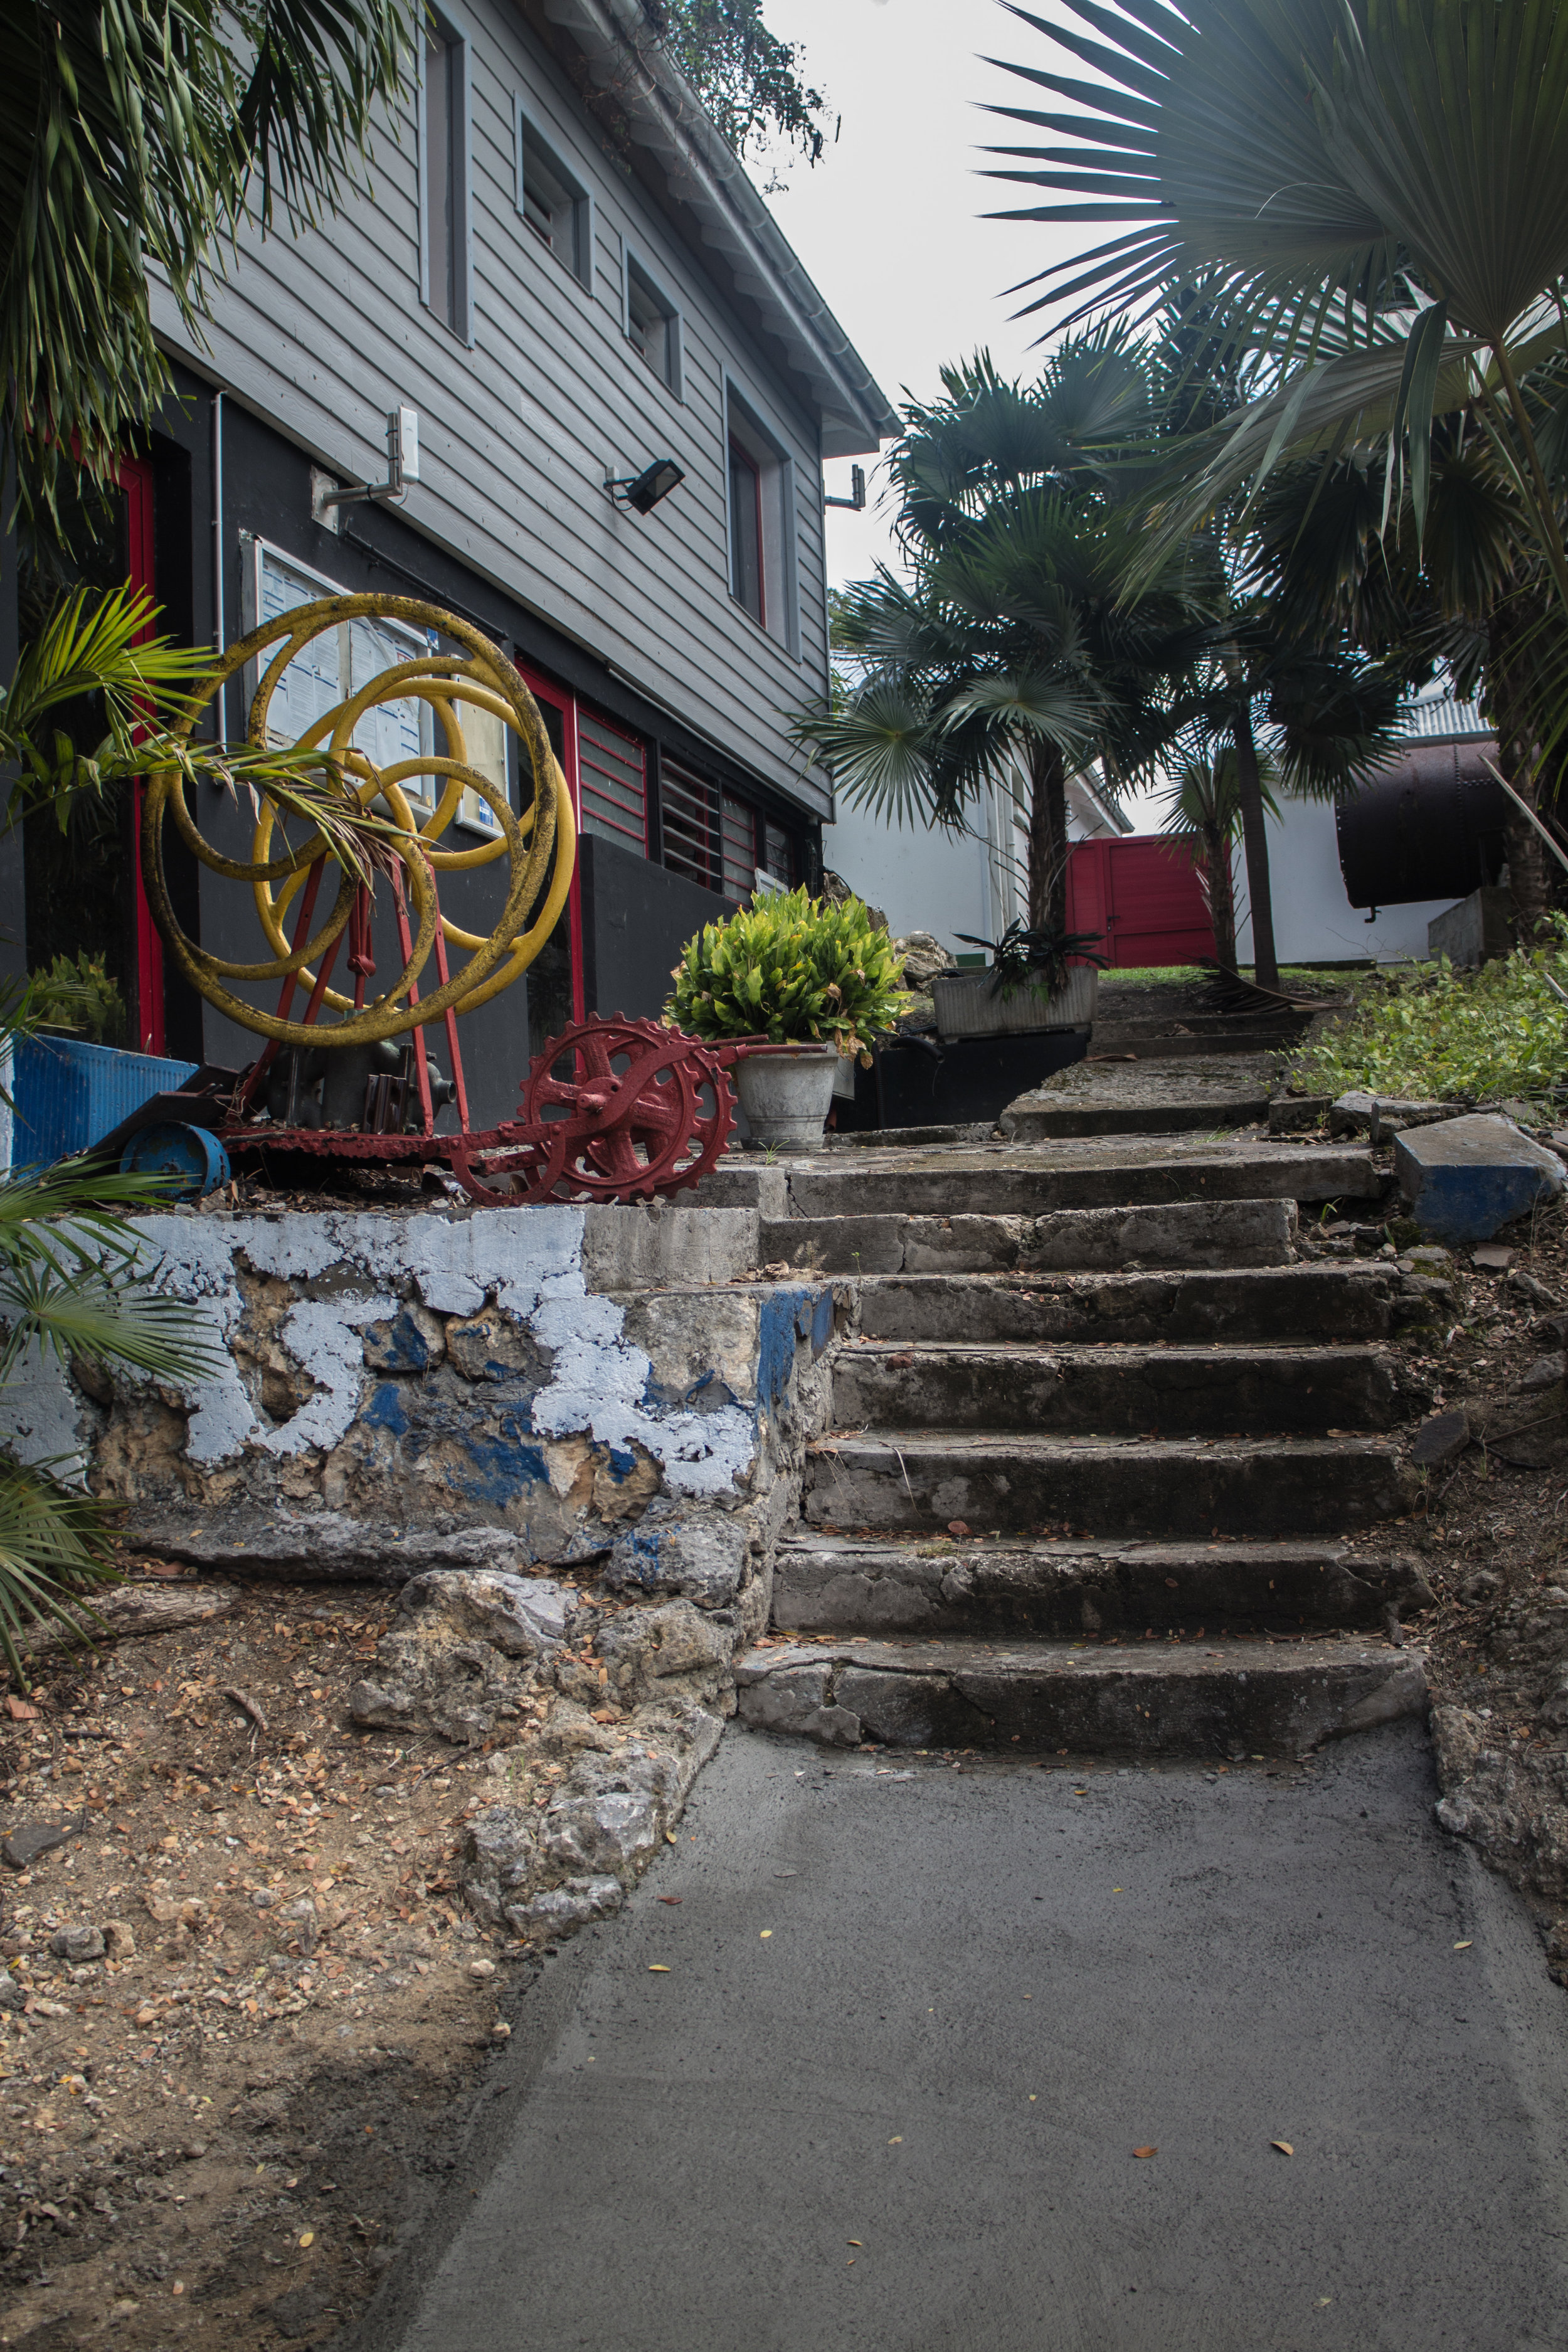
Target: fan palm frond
x,y
55,1545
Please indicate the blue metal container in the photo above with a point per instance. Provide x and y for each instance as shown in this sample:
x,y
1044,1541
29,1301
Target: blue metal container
x,y
68,1094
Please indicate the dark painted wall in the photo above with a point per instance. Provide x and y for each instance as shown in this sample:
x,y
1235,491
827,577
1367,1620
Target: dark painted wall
x,y
637,917
13,898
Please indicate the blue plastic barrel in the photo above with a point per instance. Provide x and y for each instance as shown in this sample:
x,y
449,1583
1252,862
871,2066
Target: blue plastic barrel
x,y
68,1094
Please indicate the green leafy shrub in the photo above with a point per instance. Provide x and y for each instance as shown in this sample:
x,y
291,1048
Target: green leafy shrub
x,y
1447,1035
793,969
78,992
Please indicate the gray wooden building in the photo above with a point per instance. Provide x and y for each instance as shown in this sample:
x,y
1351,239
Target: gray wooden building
x,y
562,269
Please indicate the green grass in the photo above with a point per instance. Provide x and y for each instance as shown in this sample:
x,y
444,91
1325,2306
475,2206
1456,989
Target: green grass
x,y
1437,1034
1171,975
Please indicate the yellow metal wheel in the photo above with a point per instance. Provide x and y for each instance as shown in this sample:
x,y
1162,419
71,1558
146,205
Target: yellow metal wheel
x,y
538,846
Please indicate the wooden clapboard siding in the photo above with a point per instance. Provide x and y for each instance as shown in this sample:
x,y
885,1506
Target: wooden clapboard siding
x,y
323,331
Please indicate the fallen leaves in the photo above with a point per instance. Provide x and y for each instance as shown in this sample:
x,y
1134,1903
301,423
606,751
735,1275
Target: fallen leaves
x,y
762,1934
307,2237
1283,2146
672,1898
1466,1944
1145,2151
657,1968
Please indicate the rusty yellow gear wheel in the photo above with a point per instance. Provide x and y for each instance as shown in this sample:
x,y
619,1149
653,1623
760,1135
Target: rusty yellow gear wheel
x,y
539,846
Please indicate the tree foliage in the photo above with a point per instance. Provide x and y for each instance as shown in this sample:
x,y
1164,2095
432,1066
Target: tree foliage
x,y
750,81
135,135
1014,637
1375,192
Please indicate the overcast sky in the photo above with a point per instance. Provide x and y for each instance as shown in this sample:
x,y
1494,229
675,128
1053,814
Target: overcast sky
x,y
889,223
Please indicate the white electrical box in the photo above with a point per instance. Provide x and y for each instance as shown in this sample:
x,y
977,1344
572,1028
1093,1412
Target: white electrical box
x,y
402,432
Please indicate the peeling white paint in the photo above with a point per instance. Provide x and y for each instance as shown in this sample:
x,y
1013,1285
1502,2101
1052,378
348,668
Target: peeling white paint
x,y
44,1422
529,1262
325,1336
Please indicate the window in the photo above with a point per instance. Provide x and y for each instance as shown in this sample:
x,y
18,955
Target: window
x,y
739,827
444,174
336,665
761,523
690,832
712,838
486,737
746,532
612,783
778,858
653,325
555,203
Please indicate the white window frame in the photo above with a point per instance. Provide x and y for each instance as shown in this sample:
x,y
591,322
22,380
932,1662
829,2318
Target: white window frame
x,y
746,423
454,32
474,812
633,263
527,130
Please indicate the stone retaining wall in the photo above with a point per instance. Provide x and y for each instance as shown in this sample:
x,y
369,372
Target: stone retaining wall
x,y
391,1392
453,1402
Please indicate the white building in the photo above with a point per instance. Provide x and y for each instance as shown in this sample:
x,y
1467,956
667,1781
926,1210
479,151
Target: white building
x,y
925,879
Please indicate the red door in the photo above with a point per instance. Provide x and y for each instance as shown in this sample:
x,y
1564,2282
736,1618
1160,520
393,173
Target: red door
x,y
556,975
135,475
1141,894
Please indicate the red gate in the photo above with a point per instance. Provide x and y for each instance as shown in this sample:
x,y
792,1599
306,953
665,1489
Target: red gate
x,y
1141,895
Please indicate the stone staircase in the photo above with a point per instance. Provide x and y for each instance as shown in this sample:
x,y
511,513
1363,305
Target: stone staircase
x,y
1107,1469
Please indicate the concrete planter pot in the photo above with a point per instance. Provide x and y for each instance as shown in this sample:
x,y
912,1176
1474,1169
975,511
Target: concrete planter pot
x,y
966,1006
786,1096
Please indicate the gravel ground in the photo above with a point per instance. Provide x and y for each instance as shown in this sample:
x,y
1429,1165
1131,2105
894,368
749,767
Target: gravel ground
x,y
216,2133
1494,1534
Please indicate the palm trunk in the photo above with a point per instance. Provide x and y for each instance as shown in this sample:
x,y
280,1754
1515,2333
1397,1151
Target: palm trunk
x,y
1529,874
1048,836
1254,842
1221,894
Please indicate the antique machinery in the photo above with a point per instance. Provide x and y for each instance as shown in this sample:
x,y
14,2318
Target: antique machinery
x,y
612,1109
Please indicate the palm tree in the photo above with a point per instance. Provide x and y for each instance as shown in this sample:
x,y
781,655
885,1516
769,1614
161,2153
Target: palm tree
x,y
1376,194
1472,600
1014,635
134,137
1202,806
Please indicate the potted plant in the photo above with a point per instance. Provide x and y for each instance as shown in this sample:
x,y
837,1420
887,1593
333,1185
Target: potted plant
x,y
1040,978
800,972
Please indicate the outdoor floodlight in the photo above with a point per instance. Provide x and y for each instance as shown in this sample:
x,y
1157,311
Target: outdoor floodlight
x,y
644,490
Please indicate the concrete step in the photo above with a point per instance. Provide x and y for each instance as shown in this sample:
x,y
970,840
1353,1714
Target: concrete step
x,y
1116,1391
926,1479
945,1585
930,1185
1303,1302
1151,1042
1037,1122
1178,1233
1173,1699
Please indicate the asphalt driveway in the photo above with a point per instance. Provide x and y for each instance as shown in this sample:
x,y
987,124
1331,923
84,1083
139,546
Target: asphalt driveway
x,y
915,2024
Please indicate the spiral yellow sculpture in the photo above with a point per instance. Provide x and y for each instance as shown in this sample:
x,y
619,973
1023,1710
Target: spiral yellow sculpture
x,y
539,846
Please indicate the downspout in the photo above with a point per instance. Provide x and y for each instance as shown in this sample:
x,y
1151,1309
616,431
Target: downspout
x,y
219,638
